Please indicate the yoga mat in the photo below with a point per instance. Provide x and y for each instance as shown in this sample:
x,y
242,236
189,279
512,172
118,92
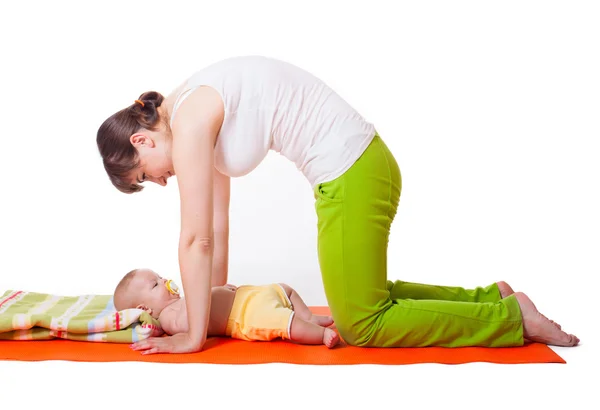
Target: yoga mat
x,y
230,351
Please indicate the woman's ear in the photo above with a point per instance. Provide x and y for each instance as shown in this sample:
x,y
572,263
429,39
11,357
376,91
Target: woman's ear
x,y
141,140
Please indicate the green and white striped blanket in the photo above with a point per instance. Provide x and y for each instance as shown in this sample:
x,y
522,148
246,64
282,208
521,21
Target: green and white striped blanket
x,y
92,318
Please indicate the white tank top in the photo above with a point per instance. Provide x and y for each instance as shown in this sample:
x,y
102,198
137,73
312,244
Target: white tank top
x,y
273,105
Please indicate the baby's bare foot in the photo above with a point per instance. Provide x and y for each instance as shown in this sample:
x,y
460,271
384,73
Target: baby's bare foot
x,y
505,289
323,321
330,338
538,328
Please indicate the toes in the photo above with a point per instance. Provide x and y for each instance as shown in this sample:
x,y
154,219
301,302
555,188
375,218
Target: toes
x,y
574,340
330,338
561,338
333,341
505,289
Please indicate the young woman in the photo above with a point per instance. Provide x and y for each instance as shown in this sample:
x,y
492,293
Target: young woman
x,y
221,123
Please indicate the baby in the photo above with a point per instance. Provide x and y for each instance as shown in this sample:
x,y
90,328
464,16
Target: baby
x,y
247,312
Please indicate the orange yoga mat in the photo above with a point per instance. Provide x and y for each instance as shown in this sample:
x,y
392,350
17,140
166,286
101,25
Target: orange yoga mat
x,y
230,351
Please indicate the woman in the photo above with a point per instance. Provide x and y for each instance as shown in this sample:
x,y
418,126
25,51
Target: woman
x,y
221,123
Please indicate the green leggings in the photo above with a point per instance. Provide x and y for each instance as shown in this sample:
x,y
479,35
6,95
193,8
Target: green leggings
x,y
355,212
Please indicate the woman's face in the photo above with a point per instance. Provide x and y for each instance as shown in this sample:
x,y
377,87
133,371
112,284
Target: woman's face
x,y
154,154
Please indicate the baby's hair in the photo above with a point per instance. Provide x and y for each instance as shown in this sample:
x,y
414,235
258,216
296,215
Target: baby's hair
x,y
118,155
121,297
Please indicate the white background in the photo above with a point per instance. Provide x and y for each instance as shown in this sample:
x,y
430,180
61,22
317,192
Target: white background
x,y
491,109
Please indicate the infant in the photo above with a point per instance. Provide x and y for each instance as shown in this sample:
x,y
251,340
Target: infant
x,y
252,313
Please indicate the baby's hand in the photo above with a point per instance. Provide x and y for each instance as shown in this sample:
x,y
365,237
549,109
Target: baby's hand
x,y
146,308
230,287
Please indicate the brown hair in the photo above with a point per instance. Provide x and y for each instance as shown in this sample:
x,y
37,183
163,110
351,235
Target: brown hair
x,y
121,298
118,155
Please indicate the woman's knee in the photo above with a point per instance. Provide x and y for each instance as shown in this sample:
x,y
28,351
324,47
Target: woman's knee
x,y
354,332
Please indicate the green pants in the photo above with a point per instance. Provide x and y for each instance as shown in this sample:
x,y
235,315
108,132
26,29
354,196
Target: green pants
x,y
355,212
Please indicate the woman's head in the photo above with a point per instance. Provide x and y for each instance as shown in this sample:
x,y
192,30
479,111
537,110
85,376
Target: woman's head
x,y
135,144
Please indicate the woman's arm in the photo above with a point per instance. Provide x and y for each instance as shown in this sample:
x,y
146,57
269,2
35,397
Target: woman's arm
x,y
221,228
195,128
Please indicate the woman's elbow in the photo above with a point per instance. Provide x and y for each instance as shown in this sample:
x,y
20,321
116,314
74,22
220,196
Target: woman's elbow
x,y
204,245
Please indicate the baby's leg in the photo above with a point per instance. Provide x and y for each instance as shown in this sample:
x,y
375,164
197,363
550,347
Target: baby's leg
x,y
310,333
303,311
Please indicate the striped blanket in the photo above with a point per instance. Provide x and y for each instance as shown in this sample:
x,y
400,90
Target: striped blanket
x,y
92,318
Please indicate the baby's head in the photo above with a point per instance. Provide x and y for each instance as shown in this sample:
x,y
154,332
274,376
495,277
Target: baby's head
x,y
143,289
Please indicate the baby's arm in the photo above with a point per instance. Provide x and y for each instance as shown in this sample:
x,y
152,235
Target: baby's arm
x,y
173,318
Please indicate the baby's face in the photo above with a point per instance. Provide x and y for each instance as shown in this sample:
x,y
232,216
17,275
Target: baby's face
x,y
151,292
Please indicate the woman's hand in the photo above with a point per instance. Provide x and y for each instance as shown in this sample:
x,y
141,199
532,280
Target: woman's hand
x,y
179,343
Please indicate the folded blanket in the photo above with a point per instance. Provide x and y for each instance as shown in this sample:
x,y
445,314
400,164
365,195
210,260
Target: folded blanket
x,y
93,318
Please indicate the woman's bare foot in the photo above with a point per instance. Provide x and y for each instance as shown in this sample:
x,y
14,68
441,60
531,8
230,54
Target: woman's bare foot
x,y
538,328
330,338
505,289
323,321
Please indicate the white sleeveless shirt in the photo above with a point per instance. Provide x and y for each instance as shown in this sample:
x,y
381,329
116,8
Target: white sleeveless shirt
x,y
273,105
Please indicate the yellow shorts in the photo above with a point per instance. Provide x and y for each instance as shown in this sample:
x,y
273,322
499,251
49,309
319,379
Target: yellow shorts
x,y
260,313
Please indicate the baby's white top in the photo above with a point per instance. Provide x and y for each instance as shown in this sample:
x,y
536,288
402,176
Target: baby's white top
x,y
273,105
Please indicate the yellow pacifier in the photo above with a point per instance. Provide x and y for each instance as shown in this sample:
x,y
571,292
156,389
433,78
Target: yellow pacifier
x,y
172,287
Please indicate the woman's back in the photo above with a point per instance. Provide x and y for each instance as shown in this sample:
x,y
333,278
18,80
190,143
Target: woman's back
x,y
273,105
